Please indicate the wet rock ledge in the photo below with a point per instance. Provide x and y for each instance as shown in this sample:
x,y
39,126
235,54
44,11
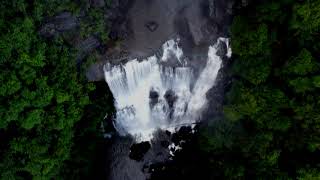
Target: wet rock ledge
x,y
138,28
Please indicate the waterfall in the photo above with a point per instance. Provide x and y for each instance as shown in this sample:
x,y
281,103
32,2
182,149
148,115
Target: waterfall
x,y
150,95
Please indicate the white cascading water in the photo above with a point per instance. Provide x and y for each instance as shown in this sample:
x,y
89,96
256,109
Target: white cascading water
x,y
149,96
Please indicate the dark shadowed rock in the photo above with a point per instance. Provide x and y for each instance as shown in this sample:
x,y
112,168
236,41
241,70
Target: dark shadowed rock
x,y
153,95
88,44
65,21
170,97
137,151
220,12
120,164
58,24
97,3
222,49
165,144
95,72
184,133
148,24
111,14
152,26
244,3
115,4
210,31
143,26
85,47
48,30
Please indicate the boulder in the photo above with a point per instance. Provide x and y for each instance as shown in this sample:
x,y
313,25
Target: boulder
x,y
60,23
244,3
153,95
114,4
220,9
65,21
170,97
222,49
88,44
97,3
137,151
95,72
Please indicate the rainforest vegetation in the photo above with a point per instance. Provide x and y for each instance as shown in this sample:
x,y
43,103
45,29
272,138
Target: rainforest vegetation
x,y
49,114
275,96
271,123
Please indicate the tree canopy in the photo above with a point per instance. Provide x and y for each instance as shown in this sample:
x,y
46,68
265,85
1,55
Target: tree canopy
x,y
43,97
274,98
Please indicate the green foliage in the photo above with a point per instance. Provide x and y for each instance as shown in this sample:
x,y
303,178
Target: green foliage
x,y
94,23
251,40
308,174
43,97
303,64
222,133
250,73
272,107
90,60
301,85
316,81
306,17
270,12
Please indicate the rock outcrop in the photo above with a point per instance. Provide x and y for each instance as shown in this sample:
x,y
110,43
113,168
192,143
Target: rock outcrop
x,y
139,28
88,45
60,23
97,3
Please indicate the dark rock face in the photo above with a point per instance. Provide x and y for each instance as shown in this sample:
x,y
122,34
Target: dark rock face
x,y
165,144
120,165
141,27
244,3
116,14
58,24
148,24
97,3
137,151
184,133
120,31
222,49
154,95
152,26
220,12
88,44
170,98
95,72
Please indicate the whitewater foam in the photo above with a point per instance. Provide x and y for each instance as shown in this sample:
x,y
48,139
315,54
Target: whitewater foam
x,y
177,98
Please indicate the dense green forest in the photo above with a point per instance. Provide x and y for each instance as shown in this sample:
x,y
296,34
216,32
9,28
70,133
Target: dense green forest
x,y
271,123
272,116
49,113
